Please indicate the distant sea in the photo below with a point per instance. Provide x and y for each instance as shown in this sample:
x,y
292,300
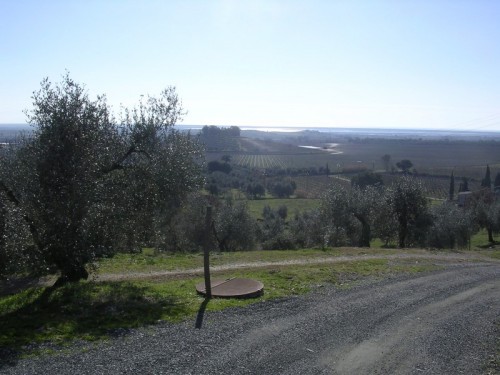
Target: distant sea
x,y
9,129
371,132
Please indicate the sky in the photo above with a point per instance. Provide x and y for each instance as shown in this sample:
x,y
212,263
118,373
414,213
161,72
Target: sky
x,y
272,63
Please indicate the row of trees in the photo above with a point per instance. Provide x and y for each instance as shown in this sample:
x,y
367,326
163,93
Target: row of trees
x,y
223,175
400,216
216,138
357,215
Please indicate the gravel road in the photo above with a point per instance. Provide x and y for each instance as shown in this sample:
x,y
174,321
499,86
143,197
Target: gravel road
x,y
437,323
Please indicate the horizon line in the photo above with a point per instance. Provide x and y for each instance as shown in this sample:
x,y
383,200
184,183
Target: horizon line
x,y
295,128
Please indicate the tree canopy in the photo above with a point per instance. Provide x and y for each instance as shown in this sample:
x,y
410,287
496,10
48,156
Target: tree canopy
x,y
86,184
404,165
410,207
367,178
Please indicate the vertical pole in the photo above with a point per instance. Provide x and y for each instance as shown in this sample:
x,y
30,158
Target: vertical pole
x,y
469,239
206,252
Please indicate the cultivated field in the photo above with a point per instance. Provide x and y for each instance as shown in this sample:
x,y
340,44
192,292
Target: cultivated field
x,y
433,161
315,186
433,157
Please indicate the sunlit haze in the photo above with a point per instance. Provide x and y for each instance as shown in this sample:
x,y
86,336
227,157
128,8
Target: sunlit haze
x,y
389,64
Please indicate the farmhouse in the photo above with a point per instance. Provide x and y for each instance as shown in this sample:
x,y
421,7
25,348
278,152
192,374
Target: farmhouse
x,y
463,198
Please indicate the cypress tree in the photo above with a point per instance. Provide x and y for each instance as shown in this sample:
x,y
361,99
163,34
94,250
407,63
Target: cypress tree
x,y
497,180
487,178
452,186
464,185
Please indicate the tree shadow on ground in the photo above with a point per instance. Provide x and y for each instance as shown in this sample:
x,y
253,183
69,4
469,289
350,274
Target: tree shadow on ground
x,y
201,313
41,318
489,245
15,285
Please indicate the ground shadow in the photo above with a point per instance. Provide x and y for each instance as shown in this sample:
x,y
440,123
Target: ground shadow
x,y
15,285
201,313
79,310
489,245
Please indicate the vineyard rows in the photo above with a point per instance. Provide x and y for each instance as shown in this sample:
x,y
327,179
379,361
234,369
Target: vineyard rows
x,y
316,186
286,160
261,161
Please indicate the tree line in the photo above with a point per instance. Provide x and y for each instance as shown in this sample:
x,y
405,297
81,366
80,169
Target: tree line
x,y
400,216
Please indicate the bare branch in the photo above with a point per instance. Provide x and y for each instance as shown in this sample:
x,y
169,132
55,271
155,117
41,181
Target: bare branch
x,y
31,224
118,164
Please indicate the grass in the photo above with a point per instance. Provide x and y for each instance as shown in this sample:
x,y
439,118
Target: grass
x,y
480,240
148,261
86,311
92,310
480,243
285,255
493,254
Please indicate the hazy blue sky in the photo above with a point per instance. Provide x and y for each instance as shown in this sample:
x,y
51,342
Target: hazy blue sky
x,y
418,64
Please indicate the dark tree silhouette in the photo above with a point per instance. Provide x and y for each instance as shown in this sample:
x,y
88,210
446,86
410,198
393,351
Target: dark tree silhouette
x,y
486,182
404,165
497,180
386,160
452,187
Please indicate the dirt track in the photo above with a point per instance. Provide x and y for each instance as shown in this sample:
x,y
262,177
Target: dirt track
x,y
446,257
437,323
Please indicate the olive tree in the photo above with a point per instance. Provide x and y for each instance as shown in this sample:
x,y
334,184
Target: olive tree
x,y
306,228
410,208
352,212
273,231
451,226
486,211
340,226
15,256
86,184
364,204
234,227
385,224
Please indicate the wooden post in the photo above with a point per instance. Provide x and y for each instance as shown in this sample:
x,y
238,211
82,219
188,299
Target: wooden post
x,y
206,252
